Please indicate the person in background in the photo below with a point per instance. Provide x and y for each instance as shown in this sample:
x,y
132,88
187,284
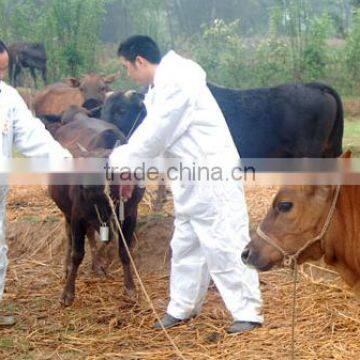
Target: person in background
x,y
19,129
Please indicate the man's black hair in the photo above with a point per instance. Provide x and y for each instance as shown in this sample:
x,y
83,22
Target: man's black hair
x,y
140,45
3,47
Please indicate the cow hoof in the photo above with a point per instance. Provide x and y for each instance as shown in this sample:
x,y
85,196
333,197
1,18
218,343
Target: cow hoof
x,y
131,293
67,299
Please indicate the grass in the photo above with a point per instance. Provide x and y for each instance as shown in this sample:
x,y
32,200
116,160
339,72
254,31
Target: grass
x,y
352,136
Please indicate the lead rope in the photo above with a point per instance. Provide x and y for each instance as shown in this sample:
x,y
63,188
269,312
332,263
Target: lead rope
x,y
293,319
135,123
113,210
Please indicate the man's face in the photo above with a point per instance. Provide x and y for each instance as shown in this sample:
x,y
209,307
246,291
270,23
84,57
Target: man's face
x,y
4,62
138,70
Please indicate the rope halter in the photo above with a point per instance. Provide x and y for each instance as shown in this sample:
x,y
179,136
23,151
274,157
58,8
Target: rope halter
x,y
292,258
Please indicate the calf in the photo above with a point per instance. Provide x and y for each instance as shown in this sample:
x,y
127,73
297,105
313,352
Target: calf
x,y
85,207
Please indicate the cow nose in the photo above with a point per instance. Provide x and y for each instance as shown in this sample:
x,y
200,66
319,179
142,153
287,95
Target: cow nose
x,y
245,255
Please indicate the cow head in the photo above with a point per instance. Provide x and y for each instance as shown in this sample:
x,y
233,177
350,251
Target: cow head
x,y
94,191
93,86
126,110
72,112
297,214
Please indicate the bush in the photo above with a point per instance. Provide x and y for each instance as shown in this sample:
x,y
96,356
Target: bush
x,y
221,52
315,53
71,31
352,50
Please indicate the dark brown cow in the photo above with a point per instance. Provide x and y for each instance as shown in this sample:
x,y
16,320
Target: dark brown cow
x,y
79,202
27,55
58,97
298,216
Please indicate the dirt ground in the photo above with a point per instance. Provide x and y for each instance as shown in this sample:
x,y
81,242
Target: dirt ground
x,y
104,323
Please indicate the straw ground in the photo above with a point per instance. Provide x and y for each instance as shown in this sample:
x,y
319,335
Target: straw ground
x,y
104,324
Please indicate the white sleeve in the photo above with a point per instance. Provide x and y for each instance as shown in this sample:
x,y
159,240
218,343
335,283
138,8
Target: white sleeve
x,y
165,122
30,136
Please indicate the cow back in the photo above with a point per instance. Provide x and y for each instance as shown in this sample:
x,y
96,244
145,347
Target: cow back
x,y
57,98
91,134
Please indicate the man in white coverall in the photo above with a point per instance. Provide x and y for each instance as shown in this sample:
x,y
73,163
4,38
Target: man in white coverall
x,y
28,134
211,221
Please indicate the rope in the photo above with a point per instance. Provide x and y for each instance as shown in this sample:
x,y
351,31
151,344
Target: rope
x,y
293,319
288,258
133,127
98,215
111,203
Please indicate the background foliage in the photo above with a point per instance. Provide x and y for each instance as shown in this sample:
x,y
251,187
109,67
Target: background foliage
x,y
241,43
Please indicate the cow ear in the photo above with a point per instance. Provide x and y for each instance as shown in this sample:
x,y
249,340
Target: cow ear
x,y
138,98
323,191
73,82
111,78
347,154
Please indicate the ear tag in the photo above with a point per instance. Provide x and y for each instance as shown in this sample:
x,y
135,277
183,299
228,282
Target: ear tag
x,y
121,210
104,233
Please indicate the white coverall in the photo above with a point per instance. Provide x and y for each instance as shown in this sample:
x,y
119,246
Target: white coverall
x,y
211,220
18,127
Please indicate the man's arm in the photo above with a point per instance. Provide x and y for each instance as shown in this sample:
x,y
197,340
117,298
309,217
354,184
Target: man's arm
x,y
164,124
31,137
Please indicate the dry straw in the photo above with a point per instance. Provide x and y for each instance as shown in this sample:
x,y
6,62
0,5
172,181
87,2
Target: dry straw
x,y
105,324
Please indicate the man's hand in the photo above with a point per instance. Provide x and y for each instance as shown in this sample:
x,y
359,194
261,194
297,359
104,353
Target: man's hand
x,y
126,189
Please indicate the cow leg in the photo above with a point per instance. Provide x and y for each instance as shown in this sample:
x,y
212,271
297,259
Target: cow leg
x,y
44,75
78,232
160,198
17,72
348,275
128,228
33,75
98,266
11,72
68,249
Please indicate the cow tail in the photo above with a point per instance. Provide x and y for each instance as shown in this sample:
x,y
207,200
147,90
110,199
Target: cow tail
x,y
336,135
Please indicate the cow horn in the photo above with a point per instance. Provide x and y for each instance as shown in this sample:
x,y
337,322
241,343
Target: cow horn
x,y
111,78
129,93
108,94
82,148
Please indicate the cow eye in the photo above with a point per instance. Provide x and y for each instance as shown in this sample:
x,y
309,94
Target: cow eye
x,y
121,111
285,206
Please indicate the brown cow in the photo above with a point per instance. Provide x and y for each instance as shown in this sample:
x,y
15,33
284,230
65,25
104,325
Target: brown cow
x,y
79,202
298,216
56,98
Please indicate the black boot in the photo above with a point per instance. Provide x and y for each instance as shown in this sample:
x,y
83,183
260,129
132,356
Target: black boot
x,y
239,327
168,322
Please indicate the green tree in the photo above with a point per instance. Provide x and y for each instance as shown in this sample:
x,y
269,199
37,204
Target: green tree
x,y
71,31
315,52
352,51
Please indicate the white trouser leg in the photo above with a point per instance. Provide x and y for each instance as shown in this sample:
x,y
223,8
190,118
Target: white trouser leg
x,y
223,232
189,277
3,246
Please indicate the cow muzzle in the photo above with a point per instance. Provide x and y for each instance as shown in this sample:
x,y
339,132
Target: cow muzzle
x,y
253,258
